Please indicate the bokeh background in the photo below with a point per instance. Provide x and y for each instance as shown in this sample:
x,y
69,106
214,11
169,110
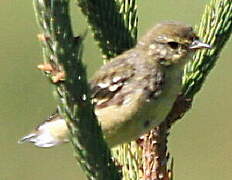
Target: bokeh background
x,y
200,143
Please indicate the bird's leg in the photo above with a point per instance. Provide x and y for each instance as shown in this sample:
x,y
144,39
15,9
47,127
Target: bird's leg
x,y
57,75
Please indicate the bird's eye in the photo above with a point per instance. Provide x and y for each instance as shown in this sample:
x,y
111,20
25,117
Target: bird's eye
x,y
173,45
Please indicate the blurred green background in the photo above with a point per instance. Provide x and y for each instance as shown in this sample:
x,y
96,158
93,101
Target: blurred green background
x,y
200,143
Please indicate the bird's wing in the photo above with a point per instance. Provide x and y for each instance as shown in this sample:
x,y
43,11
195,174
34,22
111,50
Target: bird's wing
x,y
109,81
113,82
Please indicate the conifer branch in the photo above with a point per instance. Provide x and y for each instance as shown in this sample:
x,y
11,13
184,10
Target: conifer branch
x,y
63,51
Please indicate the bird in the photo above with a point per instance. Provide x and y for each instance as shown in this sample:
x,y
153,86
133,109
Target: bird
x,y
134,92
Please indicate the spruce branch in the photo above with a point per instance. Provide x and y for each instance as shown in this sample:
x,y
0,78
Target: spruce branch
x,y
215,28
114,27
113,23
63,52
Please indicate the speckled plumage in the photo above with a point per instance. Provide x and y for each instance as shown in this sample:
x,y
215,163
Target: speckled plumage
x,y
135,91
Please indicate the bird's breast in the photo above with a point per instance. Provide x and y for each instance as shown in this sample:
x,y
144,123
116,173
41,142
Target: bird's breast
x,y
136,116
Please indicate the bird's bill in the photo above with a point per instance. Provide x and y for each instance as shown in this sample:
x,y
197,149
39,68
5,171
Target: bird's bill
x,y
197,44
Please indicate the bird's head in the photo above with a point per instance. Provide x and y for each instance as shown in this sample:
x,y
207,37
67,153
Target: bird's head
x,y
170,42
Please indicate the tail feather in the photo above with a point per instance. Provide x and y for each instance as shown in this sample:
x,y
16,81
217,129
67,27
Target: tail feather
x,y
44,140
28,138
48,134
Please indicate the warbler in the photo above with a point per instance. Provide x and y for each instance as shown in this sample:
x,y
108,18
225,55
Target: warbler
x,y
134,91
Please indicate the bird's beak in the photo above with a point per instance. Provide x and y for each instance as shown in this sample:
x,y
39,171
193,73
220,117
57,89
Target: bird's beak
x,y
197,44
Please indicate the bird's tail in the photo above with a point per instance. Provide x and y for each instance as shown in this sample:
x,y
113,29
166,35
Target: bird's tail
x,y
28,138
